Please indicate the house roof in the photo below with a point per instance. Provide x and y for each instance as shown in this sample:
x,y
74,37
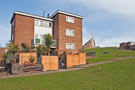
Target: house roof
x,y
67,13
29,15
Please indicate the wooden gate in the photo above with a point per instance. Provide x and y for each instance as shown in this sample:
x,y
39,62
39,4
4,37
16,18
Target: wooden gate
x,y
49,62
75,59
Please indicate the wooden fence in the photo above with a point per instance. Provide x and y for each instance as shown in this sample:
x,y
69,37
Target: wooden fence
x,y
49,62
24,57
75,59
2,51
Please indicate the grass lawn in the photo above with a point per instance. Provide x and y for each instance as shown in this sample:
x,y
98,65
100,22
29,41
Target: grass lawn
x,y
119,75
113,53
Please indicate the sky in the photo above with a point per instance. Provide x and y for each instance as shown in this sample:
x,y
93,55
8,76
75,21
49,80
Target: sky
x,y
111,21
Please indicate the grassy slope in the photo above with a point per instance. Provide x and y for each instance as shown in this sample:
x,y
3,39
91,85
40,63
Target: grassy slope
x,y
118,75
113,53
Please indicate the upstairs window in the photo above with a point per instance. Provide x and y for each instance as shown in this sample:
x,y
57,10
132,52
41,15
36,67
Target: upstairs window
x,y
43,23
70,32
69,19
37,22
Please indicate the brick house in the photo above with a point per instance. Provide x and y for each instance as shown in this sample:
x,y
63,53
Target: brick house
x,y
66,29
90,44
127,45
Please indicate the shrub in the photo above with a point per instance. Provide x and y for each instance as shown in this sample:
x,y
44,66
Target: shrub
x,y
25,47
42,50
5,56
48,42
31,59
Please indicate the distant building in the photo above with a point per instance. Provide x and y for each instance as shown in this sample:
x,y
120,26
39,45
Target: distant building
x,y
90,44
127,46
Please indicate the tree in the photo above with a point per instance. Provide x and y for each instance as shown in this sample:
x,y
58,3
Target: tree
x,y
42,50
5,56
25,47
48,42
12,49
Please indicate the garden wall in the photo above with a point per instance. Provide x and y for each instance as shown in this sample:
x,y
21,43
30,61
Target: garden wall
x,y
49,62
24,57
75,59
2,51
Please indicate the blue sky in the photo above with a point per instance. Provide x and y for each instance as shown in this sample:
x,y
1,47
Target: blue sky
x,y
111,21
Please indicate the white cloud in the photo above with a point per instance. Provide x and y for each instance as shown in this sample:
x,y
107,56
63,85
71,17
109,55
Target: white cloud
x,y
86,36
114,41
109,30
125,7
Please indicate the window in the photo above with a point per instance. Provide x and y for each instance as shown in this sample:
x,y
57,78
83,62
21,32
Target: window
x,y
12,37
70,46
69,19
43,23
37,22
42,38
50,24
36,36
70,32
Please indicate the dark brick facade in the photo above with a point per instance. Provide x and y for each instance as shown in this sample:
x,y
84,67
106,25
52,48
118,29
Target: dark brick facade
x,y
23,30
59,32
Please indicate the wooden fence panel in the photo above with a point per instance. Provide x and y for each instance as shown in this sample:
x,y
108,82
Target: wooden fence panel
x,y
70,61
82,58
46,62
49,62
24,57
54,63
76,59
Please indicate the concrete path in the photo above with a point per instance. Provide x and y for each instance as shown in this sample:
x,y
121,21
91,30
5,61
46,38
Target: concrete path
x,y
70,69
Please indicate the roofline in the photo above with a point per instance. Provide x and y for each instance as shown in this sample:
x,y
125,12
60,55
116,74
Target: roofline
x,y
67,13
86,42
30,15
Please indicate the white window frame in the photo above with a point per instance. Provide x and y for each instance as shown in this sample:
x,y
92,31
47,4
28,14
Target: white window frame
x,y
37,22
70,19
70,46
43,23
42,38
70,32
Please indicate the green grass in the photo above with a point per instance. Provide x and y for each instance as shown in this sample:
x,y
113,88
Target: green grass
x,y
119,75
113,53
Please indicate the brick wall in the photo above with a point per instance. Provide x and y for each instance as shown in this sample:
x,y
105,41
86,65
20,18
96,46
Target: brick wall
x,y
87,45
60,26
24,30
2,51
